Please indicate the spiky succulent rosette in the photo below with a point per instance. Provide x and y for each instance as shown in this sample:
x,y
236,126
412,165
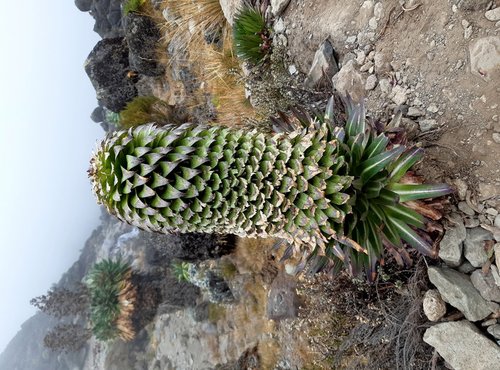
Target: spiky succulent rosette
x,y
193,178
335,193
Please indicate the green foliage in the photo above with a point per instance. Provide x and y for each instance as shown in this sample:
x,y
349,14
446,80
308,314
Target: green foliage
x,y
333,192
108,283
132,6
146,109
181,270
252,39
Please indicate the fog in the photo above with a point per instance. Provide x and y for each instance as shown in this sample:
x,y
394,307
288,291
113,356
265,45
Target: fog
x,y
46,138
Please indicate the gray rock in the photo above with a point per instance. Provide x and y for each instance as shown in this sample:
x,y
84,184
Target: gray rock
x,y
385,85
485,57
434,306
496,274
349,80
496,248
461,187
496,137
283,301
496,223
450,248
279,25
415,112
465,208
472,4
466,268
493,14
230,7
474,246
399,95
462,345
457,289
107,66
371,82
83,5
487,191
278,6
323,67
471,222
97,115
142,37
494,330
427,124
485,284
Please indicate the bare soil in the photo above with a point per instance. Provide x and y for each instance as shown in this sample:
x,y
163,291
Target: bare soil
x,y
424,48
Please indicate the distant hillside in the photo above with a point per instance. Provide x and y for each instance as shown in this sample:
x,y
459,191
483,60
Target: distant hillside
x,y
26,351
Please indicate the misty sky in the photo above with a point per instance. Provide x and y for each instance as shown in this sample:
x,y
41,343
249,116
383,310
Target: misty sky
x,y
46,138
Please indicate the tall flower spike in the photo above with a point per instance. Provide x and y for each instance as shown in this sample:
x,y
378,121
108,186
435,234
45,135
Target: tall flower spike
x,y
329,191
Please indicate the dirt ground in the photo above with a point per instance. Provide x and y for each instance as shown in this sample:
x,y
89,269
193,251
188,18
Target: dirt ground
x,y
422,47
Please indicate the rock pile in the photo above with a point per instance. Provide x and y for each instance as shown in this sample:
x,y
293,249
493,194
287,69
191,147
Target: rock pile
x,y
468,286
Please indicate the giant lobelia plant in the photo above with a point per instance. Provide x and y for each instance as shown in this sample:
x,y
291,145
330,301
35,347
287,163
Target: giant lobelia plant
x,y
336,194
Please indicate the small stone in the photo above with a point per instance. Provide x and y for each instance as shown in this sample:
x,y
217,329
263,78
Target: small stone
x,y
474,246
351,40
487,191
371,82
279,25
360,57
496,223
496,137
385,85
434,306
491,211
493,14
366,67
415,112
496,274
486,286
323,66
489,322
465,23
468,32
292,69
460,343
450,248
494,330
372,23
432,108
485,57
399,95
461,187
496,249
349,80
465,208
278,6
427,124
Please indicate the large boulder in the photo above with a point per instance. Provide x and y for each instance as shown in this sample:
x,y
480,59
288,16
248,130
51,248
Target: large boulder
x,y
463,346
83,5
142,37
457,289
107,15
107,66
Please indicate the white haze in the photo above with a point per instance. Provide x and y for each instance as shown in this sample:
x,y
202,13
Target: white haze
x,y
46,138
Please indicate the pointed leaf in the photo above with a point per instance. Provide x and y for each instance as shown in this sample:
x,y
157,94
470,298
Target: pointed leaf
x,y
408,192
412,238
372,166
404,163
405,214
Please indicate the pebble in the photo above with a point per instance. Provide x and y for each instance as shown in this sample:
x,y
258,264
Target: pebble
x,y
497,222
465,208
427,124
399,95
468,32
351,39
496,137
371,82
279,25
492,211
489,322
365,67
292,69
372,23
385,85
461,187
432,108
493,14
415,112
